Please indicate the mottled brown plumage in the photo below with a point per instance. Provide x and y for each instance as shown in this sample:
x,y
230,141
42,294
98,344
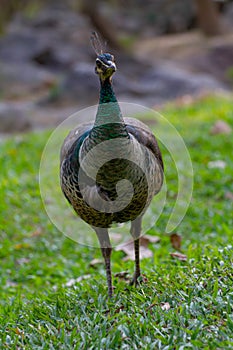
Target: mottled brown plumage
x,y
96,157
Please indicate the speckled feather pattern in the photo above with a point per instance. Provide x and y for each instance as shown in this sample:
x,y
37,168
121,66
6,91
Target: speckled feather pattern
x,y
116,169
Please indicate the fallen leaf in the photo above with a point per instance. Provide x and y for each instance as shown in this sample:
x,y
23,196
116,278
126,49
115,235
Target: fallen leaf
x,y
220,127
217,164
95,262
151,306
123,275
125,247
229,195
145,239
176,241
116,311
144,253
119,309
179,256
165,306
19,332
128,249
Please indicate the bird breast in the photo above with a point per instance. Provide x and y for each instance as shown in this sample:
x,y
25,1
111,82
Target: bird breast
x,y
113,160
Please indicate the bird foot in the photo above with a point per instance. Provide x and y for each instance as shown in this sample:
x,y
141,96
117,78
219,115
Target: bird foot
x,y
138,279
135,280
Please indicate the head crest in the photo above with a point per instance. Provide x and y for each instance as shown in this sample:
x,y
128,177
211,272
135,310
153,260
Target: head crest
x,y
96,43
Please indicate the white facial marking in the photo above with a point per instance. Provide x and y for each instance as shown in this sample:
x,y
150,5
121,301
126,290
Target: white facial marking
x,y
112,64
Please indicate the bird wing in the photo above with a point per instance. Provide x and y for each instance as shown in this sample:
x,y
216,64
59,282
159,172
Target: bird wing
x,y
72,137
144,136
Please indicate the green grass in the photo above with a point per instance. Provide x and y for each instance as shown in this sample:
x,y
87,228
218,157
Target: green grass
x,y
38,310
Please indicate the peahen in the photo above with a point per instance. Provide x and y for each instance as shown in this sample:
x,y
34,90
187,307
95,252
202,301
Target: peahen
x,y
111,168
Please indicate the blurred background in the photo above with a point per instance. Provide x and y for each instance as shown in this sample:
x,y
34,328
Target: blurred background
x,y
164,50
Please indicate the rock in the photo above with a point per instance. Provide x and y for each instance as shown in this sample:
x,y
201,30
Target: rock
x,y
167,81
81,77
19,46
13,119
79,86
55,30
24,80
162,83
217,62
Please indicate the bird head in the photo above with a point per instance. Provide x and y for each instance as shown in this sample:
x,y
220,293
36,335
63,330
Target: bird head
x,y
105,66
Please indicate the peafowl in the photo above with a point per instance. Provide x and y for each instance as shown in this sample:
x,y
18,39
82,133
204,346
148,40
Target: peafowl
x,y
110,169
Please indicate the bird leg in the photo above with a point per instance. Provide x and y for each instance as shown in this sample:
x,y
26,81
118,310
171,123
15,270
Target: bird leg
x,y
106,249
135,232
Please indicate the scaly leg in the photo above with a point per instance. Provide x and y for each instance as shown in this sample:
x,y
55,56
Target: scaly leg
x,y
135,232
106,249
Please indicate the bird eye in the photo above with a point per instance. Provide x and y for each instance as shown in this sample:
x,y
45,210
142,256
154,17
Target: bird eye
x,y
98,63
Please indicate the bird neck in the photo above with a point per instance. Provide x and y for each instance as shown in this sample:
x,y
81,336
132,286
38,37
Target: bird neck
x,y
109,122
106,91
